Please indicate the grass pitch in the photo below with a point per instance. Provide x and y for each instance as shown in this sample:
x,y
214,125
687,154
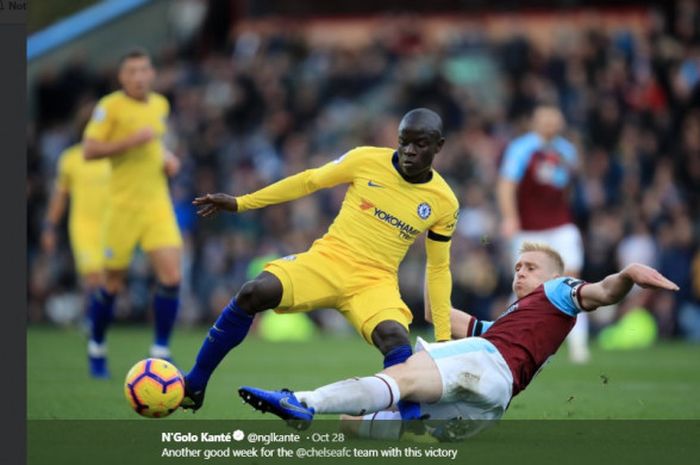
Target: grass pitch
x,y
657,383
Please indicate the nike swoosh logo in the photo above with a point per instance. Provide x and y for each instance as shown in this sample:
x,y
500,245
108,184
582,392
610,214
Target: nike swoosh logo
x,y
371,184
285,403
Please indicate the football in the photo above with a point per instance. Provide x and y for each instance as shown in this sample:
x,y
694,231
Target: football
x,y
154,388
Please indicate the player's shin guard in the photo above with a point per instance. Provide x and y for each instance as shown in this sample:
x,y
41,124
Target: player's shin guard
x,y
409,410
229,330
100,311
165,305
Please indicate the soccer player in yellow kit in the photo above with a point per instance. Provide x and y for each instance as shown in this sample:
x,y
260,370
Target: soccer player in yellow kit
x,y
85,185
392,198
127,127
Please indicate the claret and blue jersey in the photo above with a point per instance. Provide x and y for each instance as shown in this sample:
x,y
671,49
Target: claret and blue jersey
x,y
543,171
533,328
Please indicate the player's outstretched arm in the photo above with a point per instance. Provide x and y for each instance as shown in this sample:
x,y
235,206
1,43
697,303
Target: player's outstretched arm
x,y
285,190
290,188
614,287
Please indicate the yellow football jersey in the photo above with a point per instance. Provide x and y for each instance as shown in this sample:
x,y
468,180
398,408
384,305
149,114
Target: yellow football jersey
x,y
87,183
382,213
381,216
137,174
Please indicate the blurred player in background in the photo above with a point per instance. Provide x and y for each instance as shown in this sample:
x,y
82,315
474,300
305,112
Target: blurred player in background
x,y
473,378
85,184
394,196
533,197
127,127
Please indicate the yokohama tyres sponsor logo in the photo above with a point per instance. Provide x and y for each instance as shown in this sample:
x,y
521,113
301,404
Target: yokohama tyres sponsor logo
x,y
406,231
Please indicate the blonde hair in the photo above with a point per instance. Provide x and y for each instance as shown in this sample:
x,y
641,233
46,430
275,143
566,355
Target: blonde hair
x,y
547,250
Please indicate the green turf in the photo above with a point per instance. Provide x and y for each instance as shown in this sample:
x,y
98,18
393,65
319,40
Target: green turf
x,y
657,383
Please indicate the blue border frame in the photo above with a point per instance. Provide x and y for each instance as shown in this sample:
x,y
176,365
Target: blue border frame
x,y
78,24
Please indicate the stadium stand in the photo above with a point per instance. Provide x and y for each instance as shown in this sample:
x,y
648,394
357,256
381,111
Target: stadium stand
x,y
269,98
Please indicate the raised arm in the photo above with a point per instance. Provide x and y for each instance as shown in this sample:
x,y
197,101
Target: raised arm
x,y
616,286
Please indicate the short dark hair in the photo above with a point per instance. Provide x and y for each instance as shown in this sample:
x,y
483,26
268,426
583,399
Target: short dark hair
x,y
136,52
427,118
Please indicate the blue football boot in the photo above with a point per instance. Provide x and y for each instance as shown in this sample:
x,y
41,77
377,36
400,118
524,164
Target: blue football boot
x,y
282,403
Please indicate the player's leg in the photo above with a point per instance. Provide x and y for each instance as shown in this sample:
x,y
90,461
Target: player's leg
x,y
417,379
290,284
166,300
89,283
466,378
162,241
383,318
229,330
431,375
391,338
88,254
100,312
91,275
476,387
120,236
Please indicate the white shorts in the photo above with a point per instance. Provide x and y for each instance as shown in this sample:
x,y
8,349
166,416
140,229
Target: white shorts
x,y
477,386
475,378
565,239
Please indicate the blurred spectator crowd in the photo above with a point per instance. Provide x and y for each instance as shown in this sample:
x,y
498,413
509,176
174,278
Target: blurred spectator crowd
x,y
254,107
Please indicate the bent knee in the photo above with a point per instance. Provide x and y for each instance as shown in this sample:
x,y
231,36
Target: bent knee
x,y
389,335
247,295
259,295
